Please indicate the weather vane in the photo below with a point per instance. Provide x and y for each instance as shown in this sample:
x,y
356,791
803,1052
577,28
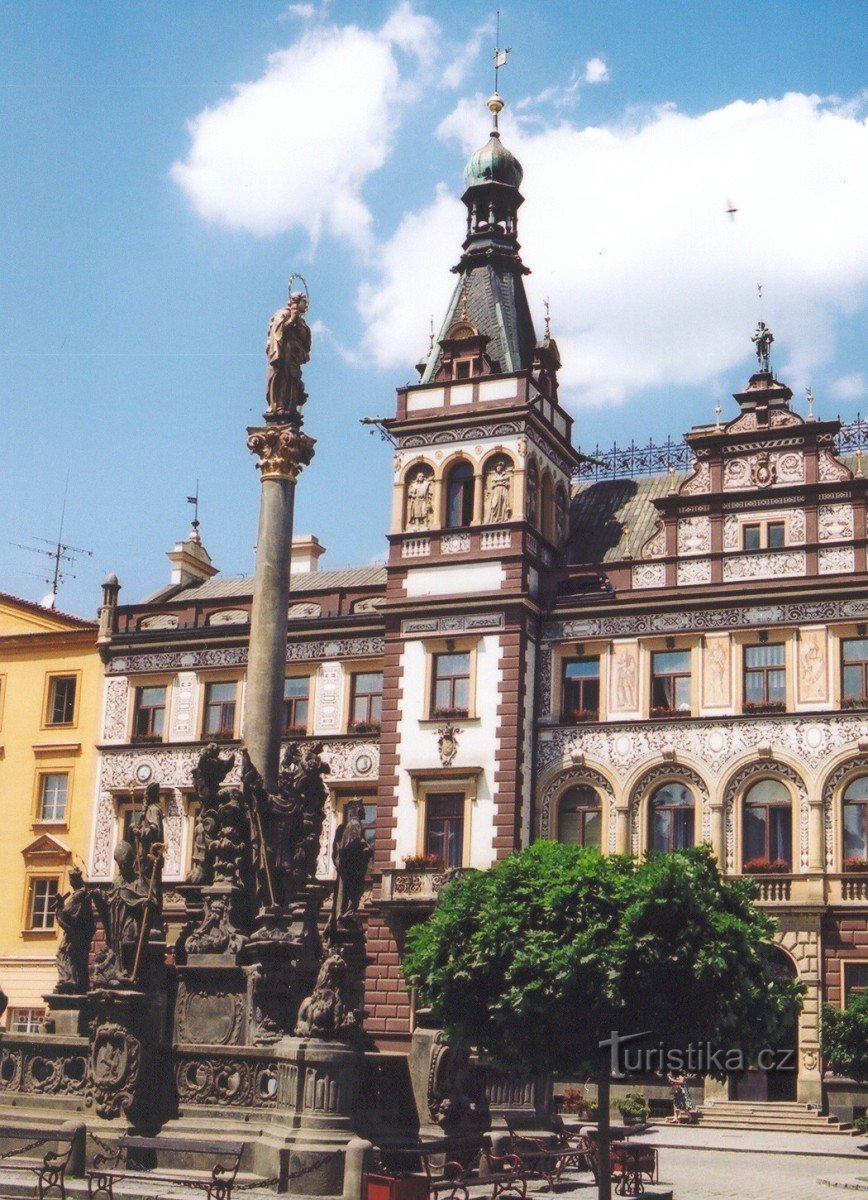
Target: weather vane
x,y
194,500
810,399
500,57
548,318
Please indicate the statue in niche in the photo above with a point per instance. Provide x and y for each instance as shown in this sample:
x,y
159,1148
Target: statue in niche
x,y
126,913
74,914
625,680
532,493
717,661
498,493
351,855
287,348
210,771
420,504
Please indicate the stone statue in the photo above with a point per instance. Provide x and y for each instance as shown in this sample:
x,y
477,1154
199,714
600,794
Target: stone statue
x,y
420,505
148,833
287,348
326,1013
126,913
217,933
763,339
499,506
74,914
230,844
210,771
351,855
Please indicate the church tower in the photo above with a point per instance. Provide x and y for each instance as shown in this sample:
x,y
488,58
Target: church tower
x,y
482,471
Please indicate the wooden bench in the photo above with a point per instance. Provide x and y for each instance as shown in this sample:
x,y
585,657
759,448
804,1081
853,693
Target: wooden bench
x,y
549,1153
50,1170
445,1169
217,1185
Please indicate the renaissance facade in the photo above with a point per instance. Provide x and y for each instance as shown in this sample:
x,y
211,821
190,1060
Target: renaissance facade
x,y
632,663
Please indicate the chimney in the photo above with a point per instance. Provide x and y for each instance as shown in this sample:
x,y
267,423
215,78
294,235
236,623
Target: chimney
x,y
107,609
306,551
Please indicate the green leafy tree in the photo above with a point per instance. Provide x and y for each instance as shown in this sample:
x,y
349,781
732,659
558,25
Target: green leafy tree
x,y
844,1037
537,961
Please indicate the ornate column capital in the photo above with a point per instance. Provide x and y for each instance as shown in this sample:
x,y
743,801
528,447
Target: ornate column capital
x,y
282,449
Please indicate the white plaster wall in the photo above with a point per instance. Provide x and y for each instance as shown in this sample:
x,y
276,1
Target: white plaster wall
x,y
454,580
477,746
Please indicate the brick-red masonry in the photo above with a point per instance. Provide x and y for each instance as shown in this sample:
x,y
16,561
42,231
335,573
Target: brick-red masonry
x,y
508,764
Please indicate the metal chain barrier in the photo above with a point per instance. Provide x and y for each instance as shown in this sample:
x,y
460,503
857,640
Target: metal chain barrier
x,y
24,1149
106,1147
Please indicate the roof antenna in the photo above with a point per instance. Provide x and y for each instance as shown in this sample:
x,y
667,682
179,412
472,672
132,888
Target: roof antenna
x,y
60,552
548,319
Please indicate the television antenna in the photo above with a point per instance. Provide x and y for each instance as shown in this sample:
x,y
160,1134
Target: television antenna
x,y
61,554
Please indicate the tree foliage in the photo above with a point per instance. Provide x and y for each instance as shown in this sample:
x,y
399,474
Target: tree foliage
x,y
539,959
844,1037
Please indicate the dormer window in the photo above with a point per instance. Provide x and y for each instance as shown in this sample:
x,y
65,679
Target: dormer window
x,y
462,368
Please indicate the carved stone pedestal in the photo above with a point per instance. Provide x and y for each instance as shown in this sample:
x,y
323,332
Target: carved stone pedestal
x,y
68,1015
124,1075
319,1083
210,1006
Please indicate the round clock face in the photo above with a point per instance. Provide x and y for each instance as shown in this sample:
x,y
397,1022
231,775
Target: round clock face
x,y
143,773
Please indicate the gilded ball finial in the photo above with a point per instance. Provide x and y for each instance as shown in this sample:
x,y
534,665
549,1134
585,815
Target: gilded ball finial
x,y
496,104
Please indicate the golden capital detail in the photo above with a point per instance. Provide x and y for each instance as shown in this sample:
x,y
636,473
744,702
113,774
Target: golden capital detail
x,y
283,450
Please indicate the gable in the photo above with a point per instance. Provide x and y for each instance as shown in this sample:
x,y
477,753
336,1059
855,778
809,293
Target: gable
x,y
19,616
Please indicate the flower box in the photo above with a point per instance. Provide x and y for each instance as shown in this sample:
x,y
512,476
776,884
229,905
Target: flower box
x,y
364,727
578,716
443,713
765,866
751,708
855,702
423,862
856,864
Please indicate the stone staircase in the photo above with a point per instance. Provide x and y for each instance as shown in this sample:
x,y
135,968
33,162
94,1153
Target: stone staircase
x,y
776,1116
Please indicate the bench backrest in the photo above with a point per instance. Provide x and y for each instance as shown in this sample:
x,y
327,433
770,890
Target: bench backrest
x,y
181,1145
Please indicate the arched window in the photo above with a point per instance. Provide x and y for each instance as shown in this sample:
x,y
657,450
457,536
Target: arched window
x,y
459,496
547,507
768,824
532,497
580,817
856,820
671,814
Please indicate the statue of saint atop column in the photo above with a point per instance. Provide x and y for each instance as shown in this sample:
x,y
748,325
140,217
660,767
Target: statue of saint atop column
x,y
763,339
287,348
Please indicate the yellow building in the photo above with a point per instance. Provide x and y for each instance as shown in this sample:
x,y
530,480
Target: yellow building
x,y
50,688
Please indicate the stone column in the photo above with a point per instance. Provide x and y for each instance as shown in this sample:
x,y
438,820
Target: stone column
x,y
622,828
283,450
815,834
718,841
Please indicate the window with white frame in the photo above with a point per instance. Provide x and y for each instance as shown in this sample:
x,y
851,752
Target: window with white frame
x,y
41,903
25,1020
53,796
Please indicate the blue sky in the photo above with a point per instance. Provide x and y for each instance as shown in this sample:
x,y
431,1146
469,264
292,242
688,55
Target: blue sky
x,y
165,167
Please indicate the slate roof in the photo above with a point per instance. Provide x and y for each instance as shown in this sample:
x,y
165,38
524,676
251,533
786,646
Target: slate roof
x,y
497,306
612,519
234,587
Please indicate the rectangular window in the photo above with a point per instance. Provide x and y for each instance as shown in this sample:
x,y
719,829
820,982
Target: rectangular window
x,y
366,701
451,692
777,532
855,980
296,698
26,1020
444,827
43,893
61,700
765,677
854,670
580,694
670,682
149,715
750,537
53,794
219,721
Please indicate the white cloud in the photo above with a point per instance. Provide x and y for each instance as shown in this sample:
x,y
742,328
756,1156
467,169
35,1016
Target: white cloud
x,y
294,148
596,71
626,230
849,387
304,12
